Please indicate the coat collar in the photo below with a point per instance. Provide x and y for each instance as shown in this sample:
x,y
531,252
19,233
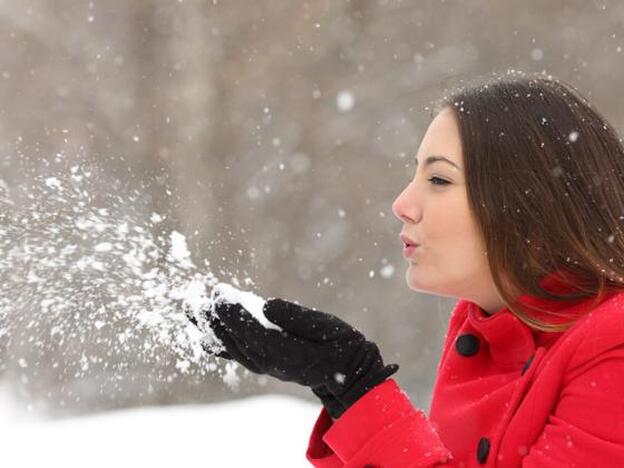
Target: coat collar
x,y
511,341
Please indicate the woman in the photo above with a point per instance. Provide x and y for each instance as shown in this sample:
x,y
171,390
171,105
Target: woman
x,y
515,209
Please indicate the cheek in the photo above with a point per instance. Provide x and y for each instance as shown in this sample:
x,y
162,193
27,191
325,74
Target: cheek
x,y
466,250
448,226
452,236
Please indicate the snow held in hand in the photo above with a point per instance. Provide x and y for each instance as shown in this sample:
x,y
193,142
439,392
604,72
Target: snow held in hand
x,y
197,303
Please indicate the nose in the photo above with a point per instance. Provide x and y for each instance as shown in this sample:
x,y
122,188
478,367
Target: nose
x,y
405,206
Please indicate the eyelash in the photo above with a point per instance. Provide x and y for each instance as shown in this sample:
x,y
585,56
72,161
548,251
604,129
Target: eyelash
x,y
445,182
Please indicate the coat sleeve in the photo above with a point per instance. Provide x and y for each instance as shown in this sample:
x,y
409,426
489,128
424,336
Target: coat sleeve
x,y
586,428
381,429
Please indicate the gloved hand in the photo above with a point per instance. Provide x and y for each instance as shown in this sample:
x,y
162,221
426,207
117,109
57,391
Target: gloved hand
x,y
314,348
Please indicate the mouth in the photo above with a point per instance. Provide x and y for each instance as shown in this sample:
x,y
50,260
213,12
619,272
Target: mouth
x,y
407,242
409,246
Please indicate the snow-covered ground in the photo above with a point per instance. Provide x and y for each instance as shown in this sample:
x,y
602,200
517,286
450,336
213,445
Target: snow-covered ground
x,y
269,430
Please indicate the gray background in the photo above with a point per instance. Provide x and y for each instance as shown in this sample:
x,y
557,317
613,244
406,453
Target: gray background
x,y
235,103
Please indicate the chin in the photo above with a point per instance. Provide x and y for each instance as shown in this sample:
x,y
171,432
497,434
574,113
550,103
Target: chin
x,y
413,282
432,290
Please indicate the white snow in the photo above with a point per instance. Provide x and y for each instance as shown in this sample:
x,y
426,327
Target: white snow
x,y
345,100
179,250
387,271
254,304
104,247
193,294
53,183
269,430
230,377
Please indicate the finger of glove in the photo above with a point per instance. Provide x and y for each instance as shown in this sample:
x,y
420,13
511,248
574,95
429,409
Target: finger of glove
x,y
244,325
235,348
389,370
211,351
224,355
306,323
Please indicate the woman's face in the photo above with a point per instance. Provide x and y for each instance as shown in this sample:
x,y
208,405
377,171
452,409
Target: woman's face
x,y
450,259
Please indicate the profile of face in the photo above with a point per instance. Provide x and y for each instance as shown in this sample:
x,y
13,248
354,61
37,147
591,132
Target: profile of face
x,y
450,258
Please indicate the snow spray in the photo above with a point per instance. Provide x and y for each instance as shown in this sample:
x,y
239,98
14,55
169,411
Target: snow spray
x,y
85,268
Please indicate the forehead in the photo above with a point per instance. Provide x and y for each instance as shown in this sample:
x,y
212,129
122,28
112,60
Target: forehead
x,y
442,138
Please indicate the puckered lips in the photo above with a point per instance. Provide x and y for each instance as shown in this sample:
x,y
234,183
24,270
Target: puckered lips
x,y
409,245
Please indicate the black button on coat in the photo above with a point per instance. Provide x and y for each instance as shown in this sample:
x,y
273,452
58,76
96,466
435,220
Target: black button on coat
x,y
467,345
483,449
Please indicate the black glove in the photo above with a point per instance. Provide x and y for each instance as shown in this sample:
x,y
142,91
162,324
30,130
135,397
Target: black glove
x,y
314,349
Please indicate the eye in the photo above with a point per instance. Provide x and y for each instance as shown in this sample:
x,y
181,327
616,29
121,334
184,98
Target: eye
x,y
440,181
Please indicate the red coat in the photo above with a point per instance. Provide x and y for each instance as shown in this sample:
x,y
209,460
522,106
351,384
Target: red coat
x,y
505,396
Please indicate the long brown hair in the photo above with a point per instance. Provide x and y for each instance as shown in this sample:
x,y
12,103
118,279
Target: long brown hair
x,y
545,181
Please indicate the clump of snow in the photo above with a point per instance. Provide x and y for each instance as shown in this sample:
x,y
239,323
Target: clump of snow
x,y
179,251
339,377
254,304
53,182
387,271
345,100
104,247
193,294
198,305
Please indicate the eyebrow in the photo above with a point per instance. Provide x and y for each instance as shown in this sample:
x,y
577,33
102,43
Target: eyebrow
x,y
431,159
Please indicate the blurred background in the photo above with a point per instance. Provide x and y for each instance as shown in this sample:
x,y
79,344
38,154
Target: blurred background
x,y
275,136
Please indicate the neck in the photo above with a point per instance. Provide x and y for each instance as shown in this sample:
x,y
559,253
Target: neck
x,y
491,305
